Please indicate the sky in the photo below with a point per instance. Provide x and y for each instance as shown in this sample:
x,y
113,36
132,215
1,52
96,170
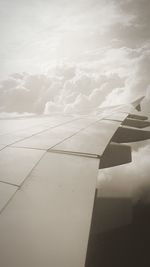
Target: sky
x,y
73,57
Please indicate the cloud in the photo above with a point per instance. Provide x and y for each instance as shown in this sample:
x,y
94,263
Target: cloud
x,y
51,107
137,80
27,93
64,87
79,88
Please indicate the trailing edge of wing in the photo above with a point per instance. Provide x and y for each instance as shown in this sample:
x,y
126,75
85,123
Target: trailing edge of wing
x,y
137,117
115,155
127,135
136,123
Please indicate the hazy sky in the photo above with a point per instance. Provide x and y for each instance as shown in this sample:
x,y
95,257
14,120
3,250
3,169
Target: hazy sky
x,y
73,56
36,33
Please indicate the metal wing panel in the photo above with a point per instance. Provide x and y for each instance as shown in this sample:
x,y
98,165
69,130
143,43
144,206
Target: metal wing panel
x,y
50,138
16,164
2,146
116,117
6,193
47,222
92,140
14,130
14,125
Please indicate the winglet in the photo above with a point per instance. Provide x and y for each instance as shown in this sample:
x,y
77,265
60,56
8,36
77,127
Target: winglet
x,y
137,103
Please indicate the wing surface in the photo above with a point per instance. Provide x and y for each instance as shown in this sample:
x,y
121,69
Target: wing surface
x,y
48,175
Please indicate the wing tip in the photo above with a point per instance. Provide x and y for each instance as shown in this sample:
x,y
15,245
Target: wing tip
x,y
137,103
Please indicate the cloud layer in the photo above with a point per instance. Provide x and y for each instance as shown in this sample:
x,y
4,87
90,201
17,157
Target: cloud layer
x,y
79,88
88,59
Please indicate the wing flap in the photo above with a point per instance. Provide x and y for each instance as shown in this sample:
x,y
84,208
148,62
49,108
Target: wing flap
x,y
114,155
136,123
137,117
127,135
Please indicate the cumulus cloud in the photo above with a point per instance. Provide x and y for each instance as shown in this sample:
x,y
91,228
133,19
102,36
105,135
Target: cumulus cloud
x,y
66,88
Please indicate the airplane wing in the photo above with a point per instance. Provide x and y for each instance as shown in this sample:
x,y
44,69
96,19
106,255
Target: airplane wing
x,y
48,175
